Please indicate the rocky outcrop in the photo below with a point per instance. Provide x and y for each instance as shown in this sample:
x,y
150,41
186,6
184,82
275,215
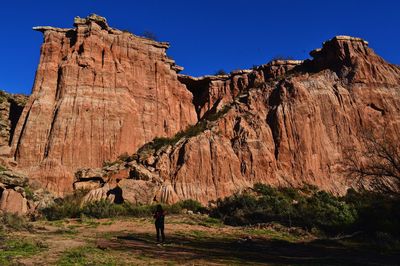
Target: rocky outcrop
x,y
353,61
12,193
13,202
285,123
13,179
212,92
99,92
11,106
18,195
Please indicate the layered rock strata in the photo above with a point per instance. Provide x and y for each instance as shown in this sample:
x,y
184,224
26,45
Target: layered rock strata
x,y
285,123
99,92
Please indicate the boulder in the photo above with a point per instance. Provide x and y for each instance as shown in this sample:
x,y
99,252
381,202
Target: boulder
x,y
13,202
97,195
138,191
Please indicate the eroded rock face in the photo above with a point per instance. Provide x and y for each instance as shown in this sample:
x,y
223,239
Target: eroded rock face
x,y
11,106
12,192
13,202
98,93
212,92
288,123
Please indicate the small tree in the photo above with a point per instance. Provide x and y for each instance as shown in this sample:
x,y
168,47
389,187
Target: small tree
x,y
377,165
282,57
220,72
150,35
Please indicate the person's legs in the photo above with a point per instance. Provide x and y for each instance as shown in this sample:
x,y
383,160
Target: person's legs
x,y
162,233
158,233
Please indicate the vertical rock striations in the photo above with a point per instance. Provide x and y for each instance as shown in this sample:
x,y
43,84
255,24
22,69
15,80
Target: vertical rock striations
x,y
98,93
284,123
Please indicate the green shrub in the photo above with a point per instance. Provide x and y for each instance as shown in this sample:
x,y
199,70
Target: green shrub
x,y
191,131
103,209
150,35
14,221
108,163
28,193
125,157
19,248
287,206
192,205
68,207
158,143
220,72
307,207
377,212
217,115
282,57
60,211
327,212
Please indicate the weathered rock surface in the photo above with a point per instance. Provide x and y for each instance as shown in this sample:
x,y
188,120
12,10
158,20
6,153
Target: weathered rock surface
x,y
212,92
20,197
14,179
99,92
284,123
13,202
11,106
97,195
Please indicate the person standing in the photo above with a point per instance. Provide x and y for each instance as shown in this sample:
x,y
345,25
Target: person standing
x,y
159,223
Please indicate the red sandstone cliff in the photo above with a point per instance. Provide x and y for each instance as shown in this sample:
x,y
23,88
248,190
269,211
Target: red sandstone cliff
x,y
283,123
98,93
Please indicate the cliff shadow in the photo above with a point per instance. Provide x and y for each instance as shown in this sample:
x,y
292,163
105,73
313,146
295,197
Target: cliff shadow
x,y
182,249
13,116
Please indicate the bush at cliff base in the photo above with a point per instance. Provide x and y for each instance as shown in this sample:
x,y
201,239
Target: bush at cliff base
x,y
12,221
310,208
70,207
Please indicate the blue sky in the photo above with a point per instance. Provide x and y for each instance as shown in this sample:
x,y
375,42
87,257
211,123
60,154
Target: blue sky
x,y
205,36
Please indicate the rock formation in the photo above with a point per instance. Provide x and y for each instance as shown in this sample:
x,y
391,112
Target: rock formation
x,y
11,106
20,197
284,123
99,92
101,95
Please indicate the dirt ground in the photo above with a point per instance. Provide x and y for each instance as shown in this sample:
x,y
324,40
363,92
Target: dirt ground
x,y
191,240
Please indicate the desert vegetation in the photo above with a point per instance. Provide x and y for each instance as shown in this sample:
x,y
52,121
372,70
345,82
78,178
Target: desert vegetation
x,y
313,210
71,207
366,212
261,225
377,165
150,35
220,72
190,131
